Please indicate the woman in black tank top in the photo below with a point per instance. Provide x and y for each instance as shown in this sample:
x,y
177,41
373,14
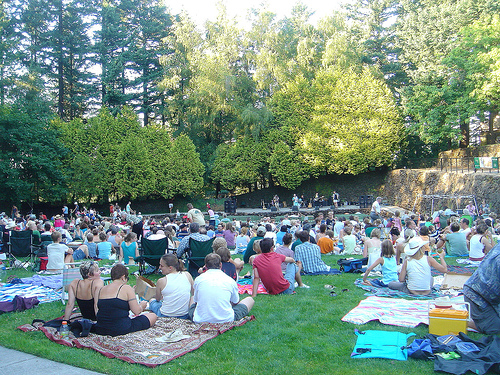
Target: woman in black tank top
x,y
114,303
83,291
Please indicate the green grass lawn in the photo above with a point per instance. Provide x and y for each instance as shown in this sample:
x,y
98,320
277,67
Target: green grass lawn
x,y
294,334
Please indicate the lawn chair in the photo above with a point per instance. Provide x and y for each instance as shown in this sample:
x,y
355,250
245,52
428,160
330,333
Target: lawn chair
x,y
69,274
198,251
45,240
150,252
21,250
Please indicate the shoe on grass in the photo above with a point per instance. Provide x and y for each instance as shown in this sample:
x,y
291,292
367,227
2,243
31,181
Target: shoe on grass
x,y
304,286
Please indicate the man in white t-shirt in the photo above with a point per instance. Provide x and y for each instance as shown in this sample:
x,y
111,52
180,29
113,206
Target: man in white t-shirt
x,y
216,298
58,254
375,211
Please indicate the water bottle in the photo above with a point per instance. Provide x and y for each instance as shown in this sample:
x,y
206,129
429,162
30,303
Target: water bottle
x,y
64,331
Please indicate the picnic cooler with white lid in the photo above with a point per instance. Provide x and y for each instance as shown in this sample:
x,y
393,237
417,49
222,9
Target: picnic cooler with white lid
x,y
446,321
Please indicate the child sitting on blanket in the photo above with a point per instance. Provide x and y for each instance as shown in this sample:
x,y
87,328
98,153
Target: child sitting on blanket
x,y
415,276
387,261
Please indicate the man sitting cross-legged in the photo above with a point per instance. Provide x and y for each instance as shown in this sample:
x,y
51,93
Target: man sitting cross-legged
x,y
267,267
216,298
310,255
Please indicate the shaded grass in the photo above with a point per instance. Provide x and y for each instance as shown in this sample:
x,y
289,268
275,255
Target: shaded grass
x,y
301,333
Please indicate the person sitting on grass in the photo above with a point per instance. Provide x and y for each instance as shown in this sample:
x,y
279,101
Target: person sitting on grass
x,y
415,276
267,267
104,247
115,301
216,298
237,262
261,231
129,248
389,267
91,246
309,255
174,291
58,254
84,291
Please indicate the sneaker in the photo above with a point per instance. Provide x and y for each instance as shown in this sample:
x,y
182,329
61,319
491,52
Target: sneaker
x,y
296,284
304,286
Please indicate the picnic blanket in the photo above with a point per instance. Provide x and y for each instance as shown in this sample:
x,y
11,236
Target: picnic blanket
x,y
44,294
392,311
245,286
386,292
168,339
456,269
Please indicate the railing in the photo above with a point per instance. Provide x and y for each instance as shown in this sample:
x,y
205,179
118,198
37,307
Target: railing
x,y
469,164
463,164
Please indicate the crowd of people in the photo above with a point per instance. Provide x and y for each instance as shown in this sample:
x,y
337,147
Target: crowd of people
x,y
402,246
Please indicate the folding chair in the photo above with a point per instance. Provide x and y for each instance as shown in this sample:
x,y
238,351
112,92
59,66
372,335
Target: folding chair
x,y
21,253
198,251
150,252
69,274
45,240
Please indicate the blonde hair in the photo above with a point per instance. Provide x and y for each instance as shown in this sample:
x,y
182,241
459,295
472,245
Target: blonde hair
x,y
219,242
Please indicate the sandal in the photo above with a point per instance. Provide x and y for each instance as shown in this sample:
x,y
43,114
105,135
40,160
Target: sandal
x,y
327,286
333,294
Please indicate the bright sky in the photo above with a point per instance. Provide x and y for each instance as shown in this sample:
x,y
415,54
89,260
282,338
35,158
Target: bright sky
x,y
201,10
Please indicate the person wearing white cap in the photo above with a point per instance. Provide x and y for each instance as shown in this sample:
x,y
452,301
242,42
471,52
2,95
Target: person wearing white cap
x,y
415,276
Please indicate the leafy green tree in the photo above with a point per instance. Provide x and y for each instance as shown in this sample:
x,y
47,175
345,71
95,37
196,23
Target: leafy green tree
x,y
287,167
30,156
352,124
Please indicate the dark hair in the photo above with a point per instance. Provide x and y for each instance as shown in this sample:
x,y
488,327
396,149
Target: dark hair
x,y
303,235
224,253
118,271
47,226
465,221
194,227
322,228
284,228
481,228
269,227
395,231
287,239
212,261
454,227
424,231
266,245
171,260
102,236
347,230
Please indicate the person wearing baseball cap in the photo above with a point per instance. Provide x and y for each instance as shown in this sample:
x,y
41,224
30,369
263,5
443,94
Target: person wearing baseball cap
x,y
415,276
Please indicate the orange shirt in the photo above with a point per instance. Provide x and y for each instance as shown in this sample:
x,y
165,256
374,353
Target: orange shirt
x,y
325,244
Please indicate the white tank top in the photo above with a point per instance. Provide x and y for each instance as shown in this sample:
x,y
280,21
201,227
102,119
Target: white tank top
x,y
418,274
476,247
176,295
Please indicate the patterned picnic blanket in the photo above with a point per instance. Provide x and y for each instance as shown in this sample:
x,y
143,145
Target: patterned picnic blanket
x,y
392,311
245,286
168,339
42,293
386,292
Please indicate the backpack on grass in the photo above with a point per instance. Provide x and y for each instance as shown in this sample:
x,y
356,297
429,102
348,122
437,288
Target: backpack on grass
x,y
352,265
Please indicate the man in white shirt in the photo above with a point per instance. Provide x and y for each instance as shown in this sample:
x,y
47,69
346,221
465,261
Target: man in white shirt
x,y
375,211
216,298
58,254
195,216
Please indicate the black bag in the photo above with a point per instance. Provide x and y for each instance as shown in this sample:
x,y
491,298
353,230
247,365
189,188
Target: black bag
x,y
352,265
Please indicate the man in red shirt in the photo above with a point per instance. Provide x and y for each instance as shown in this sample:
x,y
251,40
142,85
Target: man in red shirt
x,y
267,267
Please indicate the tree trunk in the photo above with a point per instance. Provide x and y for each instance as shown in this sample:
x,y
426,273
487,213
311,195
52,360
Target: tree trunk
x,y
490,138
464,131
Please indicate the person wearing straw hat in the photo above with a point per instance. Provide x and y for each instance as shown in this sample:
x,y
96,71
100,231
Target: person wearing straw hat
x,y
415,276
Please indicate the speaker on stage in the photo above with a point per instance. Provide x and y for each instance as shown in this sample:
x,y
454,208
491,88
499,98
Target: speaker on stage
x,y
295,208
230,206
274,209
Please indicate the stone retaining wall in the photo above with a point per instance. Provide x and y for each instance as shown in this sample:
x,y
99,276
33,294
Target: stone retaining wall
x,y
402,186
